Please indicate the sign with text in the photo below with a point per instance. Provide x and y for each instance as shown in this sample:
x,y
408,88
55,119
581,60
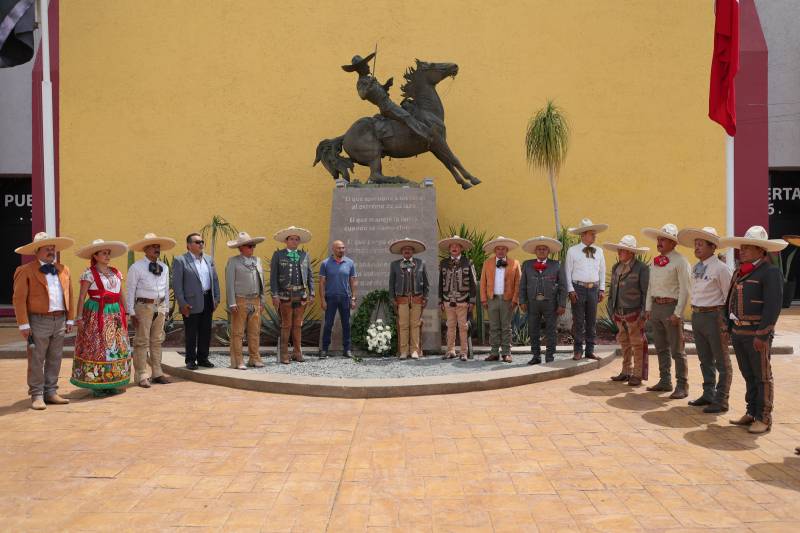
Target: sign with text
x,y
368,219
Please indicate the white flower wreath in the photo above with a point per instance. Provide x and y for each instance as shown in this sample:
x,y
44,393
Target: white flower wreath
x,y
379,337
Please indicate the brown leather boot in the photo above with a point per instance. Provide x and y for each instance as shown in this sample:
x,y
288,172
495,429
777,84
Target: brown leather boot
x,y
746,420
633,381
758,427
681,391
298,356
284,348
55,399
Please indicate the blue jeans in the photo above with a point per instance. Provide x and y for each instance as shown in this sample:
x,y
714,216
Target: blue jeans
x,y
341,303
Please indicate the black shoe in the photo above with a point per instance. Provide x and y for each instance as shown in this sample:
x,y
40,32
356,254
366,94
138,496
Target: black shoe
x,y
191,366
701,401
621,377
591,356
535,360
715,408
348,354
549,359
206,364
323,354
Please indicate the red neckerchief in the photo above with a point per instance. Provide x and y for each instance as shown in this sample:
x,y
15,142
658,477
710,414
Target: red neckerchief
x,y
661,260
746,268
540,266
104,297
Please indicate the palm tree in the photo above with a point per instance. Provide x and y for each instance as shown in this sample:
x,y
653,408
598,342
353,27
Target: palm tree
x,y
546,145
218,226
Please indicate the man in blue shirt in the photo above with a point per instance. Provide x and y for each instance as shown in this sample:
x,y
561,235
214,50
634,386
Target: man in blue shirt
x,y
337,289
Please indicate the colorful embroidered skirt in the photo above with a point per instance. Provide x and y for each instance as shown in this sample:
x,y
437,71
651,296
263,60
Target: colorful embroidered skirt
x,y
102,358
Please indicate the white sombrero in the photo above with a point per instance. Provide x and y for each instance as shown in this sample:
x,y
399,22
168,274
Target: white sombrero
x,y
444,244
245,238
627,242
531,244
285,233
687,236
500,241
43,239
117,248
150,239
755,236
668,231
396,247
587,225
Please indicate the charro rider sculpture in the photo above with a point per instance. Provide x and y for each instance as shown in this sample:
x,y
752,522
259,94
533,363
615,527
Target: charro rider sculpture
x,y
414,127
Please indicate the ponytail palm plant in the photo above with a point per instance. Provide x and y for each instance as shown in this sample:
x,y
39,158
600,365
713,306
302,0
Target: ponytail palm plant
x,y
546,145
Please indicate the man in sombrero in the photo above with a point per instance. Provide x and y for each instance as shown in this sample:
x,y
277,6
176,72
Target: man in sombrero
x,y
408,288
711,279
244,286
43,305
542,294
667,295
371,90
626,303
500,295
585,272
753,306
148,305
458,286
291,283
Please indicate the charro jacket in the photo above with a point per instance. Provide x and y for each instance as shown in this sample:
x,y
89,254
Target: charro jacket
x,y
628,290
420,278
280,269
551,283
755,300
457,281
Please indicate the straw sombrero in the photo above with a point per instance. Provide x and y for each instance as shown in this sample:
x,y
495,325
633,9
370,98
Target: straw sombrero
x,y
285,233
587,225
627,242
245,238
755,236
531,244
150,239
397,246
687,236
444,244
117,248
668,231
500,241
43,239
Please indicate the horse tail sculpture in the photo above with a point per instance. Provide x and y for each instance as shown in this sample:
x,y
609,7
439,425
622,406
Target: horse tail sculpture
x,y
329,153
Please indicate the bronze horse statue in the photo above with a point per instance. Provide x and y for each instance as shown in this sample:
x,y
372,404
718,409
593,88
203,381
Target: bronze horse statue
x,y
371,138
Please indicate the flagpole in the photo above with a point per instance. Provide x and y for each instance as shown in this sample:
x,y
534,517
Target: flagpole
x,y
729,197
48,151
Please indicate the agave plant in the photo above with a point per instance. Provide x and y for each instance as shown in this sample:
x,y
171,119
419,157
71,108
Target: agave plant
x,y
546,146
218,227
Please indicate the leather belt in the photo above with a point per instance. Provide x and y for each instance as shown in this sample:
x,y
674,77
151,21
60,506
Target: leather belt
x,y
588,285
539,297
663,301
149,301
711,309
745,323
51,313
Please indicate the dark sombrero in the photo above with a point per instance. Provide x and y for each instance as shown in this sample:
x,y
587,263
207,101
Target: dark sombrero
x,y
356,62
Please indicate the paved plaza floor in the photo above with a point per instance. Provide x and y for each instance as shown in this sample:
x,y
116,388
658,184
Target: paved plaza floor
x,y
574,454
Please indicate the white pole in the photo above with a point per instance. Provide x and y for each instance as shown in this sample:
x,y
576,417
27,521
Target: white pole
x,y
48,152
729,220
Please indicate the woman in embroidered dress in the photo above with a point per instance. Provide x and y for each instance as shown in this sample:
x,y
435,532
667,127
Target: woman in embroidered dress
x,y
102,360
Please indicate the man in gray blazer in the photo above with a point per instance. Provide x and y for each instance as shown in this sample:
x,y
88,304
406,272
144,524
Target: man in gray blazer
x,y
196,288
244,287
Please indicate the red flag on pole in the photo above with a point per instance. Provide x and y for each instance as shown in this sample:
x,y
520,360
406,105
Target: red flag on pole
x,y
724,65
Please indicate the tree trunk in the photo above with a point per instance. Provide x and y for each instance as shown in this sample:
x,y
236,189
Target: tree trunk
x,y
552,176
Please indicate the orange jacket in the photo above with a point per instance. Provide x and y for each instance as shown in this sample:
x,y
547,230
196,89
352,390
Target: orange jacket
x,y
511,286
30,291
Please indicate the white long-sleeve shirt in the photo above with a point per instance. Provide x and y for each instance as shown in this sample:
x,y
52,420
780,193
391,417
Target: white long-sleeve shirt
x,y
670,281
579,267
144,284
710,282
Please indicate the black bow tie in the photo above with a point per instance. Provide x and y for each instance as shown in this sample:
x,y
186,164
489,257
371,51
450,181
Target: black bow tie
x,y
48,268
155,268
589,251
502,263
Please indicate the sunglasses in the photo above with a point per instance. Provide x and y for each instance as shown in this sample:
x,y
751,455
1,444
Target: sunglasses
x,y
198,242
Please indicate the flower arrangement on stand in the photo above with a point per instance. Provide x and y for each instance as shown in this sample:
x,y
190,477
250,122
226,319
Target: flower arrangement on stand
x,y
379,337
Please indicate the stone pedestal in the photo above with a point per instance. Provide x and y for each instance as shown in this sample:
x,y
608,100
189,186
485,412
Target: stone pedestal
x,y
367,219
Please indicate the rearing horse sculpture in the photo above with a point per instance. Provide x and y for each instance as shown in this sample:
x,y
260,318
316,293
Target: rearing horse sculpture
x,y
371,138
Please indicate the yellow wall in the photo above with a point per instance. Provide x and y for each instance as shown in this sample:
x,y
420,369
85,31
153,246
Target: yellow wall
x,y
174,111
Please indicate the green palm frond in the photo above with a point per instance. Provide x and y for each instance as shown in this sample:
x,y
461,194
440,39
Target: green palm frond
x,y
218,227
547,139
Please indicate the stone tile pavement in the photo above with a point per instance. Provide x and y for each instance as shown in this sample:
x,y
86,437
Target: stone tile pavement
x,y
576,454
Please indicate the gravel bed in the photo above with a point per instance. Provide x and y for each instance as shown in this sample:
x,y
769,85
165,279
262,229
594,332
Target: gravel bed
x,y
379,367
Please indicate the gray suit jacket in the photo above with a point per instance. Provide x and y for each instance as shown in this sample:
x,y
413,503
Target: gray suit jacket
x,y
186,282
240,280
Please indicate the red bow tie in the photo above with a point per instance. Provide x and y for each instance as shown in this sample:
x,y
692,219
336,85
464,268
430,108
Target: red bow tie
x,y
539,266
746,268
661,260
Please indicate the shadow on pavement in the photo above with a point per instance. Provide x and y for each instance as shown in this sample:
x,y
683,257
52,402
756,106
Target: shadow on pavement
x,y
639,401
723,438
677,417
600,388
784,475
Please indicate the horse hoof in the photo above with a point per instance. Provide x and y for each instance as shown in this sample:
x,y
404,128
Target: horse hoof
x,y
465,186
